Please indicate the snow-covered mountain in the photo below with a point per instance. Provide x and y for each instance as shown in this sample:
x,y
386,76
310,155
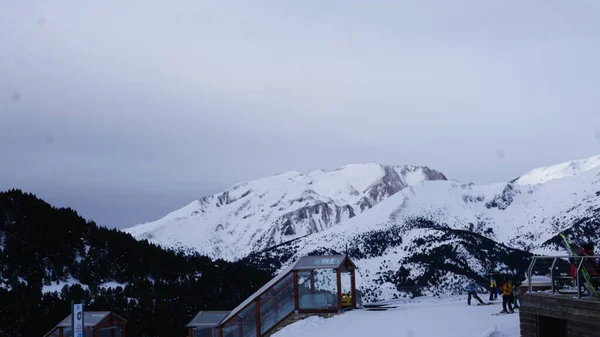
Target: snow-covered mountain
x,y
258,214
569,168
405,227
435,233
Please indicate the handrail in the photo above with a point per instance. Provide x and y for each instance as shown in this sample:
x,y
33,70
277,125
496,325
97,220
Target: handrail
x,y
555,259
552,274
529,273
578,278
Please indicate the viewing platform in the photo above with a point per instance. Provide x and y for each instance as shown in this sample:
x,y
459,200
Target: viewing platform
x,y
563,306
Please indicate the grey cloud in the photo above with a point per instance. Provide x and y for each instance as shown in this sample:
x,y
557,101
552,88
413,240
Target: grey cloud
x,y
128,112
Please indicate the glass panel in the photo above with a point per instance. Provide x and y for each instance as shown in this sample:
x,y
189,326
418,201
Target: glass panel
x,y
231,330
110,332
88,331
54,333
210,332
243,324
209,317
276,303
319,262
317,290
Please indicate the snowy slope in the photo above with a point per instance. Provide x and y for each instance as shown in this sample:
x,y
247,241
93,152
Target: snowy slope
x,y
447,317
438,234
258,214
570,168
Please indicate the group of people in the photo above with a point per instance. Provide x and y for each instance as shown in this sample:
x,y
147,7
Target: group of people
x,y
511,294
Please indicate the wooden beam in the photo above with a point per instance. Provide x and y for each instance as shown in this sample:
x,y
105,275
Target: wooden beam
x,y
312,281
296,292
220,332
339,289
60,332
123,334
190,332
353,287
257,311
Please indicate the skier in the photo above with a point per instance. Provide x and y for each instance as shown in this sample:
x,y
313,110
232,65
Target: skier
x,y
507,296
472,291
492,287
588,249
496,277
517,294
591,265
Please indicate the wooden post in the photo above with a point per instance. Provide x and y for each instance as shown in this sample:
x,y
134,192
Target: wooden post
x,y
312,281
339,289
190,332
123,334
220,332
257,311
296,292
353,287
60,332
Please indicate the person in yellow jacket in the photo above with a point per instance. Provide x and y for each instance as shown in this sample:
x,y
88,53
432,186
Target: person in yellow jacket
x,y
507,296
492,288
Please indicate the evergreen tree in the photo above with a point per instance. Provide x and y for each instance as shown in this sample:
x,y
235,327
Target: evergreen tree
x,y
43,246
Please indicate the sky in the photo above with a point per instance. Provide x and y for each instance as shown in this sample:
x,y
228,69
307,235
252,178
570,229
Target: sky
x,y
127,111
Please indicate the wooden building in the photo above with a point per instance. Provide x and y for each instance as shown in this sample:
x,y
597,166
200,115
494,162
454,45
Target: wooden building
x,y
95,324
558,307
543,314
312,285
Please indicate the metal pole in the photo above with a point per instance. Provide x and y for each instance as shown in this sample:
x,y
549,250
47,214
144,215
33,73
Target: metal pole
x,y
552,274
529,272
578,278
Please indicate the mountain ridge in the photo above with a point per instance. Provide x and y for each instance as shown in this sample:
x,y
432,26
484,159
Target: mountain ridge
x,y
431,233
254,215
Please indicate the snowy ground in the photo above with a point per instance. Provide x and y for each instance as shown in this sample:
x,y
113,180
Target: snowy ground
x,y
448,317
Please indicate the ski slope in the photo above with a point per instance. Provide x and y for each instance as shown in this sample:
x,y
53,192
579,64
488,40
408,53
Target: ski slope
x,y
429,317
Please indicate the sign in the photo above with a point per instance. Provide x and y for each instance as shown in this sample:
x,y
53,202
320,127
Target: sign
x,y
77,319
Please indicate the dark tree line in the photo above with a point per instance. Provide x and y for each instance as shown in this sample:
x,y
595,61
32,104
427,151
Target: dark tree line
x,y
41,245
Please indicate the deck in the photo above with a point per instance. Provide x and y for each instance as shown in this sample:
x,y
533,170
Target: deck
x,y
543,314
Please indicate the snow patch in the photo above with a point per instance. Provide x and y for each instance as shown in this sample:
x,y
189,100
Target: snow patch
x,y
113,285
54,287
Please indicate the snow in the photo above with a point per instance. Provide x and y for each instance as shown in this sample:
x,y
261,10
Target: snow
x,y
447,317
113,285
341,183
539,280
569,168
58,287
252,215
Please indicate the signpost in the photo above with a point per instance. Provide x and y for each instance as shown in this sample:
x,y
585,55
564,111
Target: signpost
x,y
77,319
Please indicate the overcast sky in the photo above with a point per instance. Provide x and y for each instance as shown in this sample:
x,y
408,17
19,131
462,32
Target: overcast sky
x,y
126,110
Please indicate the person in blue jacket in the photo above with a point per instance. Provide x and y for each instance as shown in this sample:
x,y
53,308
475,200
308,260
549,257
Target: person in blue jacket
x,y
472,291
